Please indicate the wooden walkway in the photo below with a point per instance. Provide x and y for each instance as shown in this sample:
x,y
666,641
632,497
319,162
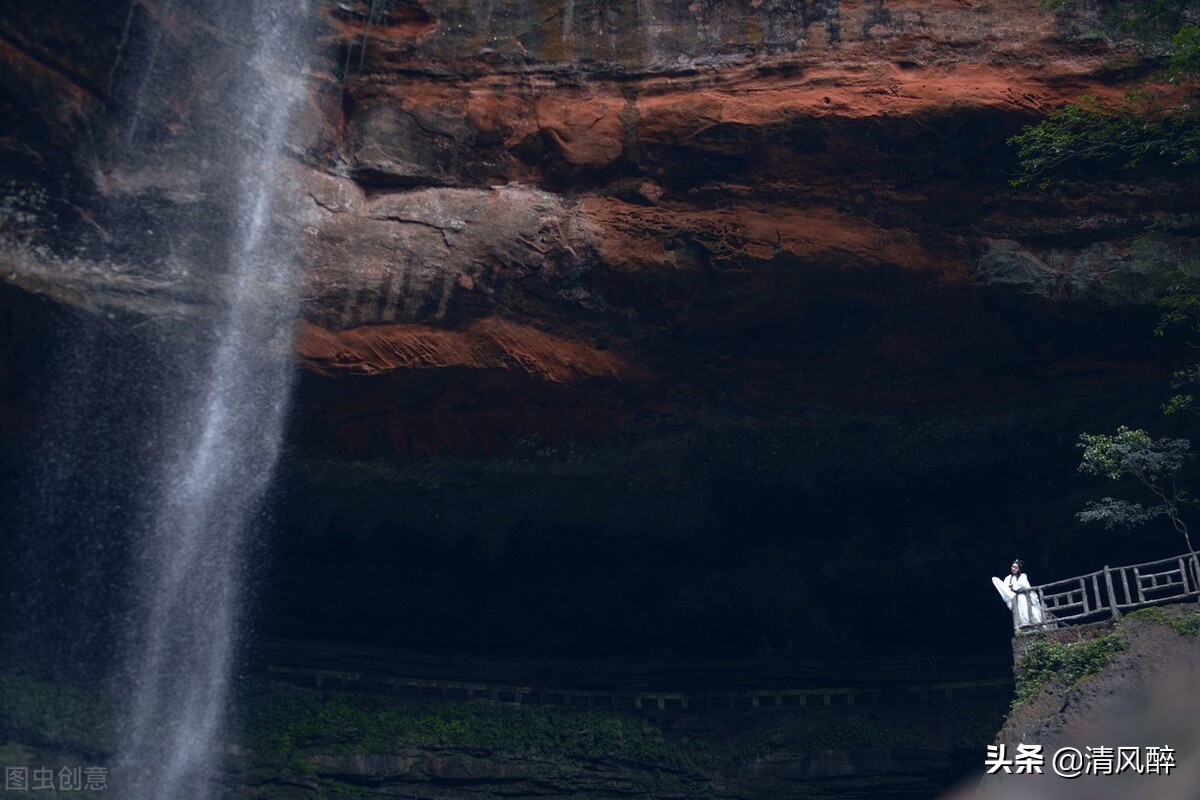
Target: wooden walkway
x,y
369,670
678,702
1109,592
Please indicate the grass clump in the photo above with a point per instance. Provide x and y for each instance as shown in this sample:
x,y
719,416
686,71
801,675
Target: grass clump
x,y
291,725
299,736
1045,661
55,714
1187,624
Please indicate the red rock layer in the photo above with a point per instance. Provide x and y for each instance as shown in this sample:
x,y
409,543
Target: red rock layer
x,y
488,344
468,392
636,172
568,194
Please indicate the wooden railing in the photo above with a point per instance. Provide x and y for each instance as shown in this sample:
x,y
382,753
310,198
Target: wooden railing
x,y
649,700
636,684
1106,593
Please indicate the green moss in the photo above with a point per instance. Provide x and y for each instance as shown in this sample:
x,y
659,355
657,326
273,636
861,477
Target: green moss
x,y
749,746
13,754
976,734
854,733
284,729
1185,624
579,753
1046,661
54,713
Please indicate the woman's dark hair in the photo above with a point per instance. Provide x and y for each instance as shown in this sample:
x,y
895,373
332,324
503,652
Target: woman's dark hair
x,y
1020,564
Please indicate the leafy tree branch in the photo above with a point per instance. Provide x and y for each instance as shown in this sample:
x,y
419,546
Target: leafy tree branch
x,y
1155,464
1143,126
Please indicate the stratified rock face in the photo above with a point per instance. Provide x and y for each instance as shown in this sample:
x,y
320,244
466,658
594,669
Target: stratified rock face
x,y
623,178
827,179
757,255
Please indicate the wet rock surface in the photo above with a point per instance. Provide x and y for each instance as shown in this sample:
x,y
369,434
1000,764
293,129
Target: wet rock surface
x,y
706,329
730,305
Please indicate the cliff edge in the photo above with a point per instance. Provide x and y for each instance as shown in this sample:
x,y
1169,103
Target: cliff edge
x,y
1132,687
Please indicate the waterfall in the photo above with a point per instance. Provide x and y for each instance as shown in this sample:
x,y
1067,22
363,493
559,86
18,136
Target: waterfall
x,y
218,441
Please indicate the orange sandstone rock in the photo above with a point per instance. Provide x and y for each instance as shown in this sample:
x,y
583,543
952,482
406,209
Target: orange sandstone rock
x,y
490,343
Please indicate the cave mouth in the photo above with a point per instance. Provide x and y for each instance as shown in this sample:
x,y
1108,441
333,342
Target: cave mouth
x,y
787,500
707,352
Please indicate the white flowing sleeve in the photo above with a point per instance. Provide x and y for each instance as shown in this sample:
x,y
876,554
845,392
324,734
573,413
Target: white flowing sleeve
x,y
1006,594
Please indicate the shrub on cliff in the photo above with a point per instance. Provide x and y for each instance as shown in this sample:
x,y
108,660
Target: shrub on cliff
x,y
1046,661
1154,464
1185,623
1157,121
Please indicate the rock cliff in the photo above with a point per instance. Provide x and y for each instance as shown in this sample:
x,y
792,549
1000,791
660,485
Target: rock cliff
x,y
727,303
1143,697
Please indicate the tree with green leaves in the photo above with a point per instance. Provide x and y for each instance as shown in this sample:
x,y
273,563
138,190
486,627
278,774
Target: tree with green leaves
x,y
1158,120
1154,464
1181,309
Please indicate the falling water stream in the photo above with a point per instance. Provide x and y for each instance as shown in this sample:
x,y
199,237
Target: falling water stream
x,y
222,431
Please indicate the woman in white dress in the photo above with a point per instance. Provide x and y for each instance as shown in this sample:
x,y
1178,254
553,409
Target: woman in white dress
x,y
1016,588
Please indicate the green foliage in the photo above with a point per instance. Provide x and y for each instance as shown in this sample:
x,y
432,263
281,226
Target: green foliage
x,y
1073,662
1184,64
1153,21
1187,624
1153,463
1181,303
1094,131
283,730
1184,403
289,726
1113,512
53,714
1140,128
1134,453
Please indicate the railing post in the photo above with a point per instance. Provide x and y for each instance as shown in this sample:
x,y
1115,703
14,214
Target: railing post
x,y
1112,599
1073,593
